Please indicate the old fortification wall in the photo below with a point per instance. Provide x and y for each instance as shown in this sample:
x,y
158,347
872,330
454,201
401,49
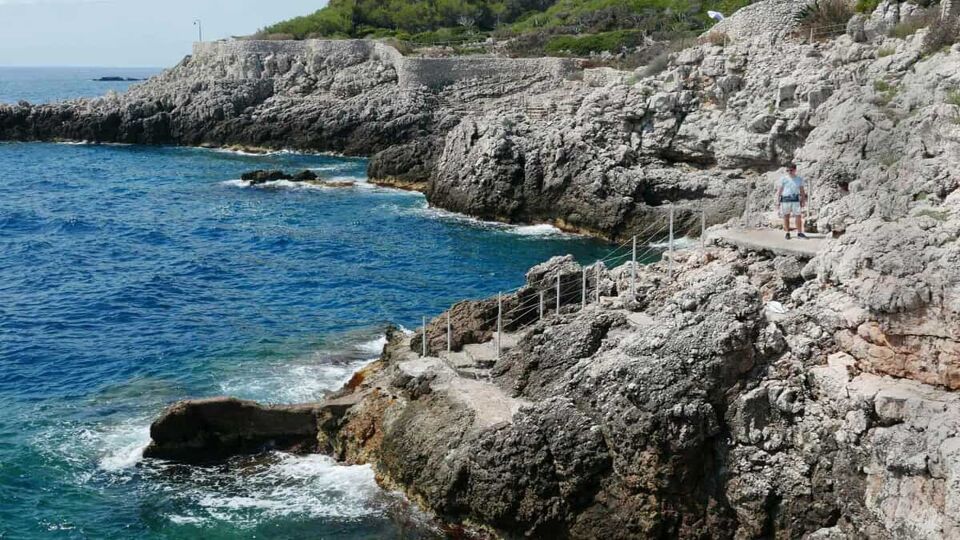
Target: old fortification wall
x,y
253,59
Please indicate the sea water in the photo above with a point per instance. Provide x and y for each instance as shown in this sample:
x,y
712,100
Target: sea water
x,y
131,277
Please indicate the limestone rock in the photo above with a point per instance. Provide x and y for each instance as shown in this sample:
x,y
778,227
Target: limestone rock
x,y
212,429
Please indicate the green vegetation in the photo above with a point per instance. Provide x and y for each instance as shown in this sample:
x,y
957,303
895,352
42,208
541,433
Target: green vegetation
x,y
557,26
886,92
908,27
941,34
953,97
866,6
885,51
821,17
586,44
939,215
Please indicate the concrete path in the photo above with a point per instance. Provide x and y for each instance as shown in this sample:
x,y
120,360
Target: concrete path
x,y
771,240
464,376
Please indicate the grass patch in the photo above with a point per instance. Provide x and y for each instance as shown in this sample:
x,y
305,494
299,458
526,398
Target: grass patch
x,y
866,6
881,85
939,215
905,29
953,97
885,92
883,52
889,161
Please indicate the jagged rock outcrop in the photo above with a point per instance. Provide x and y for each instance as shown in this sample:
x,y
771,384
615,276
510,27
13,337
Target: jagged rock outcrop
x,y
260,176
525,140
689,408
211,429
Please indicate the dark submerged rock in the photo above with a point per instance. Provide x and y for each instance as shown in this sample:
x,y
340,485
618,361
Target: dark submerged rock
x,y
263,176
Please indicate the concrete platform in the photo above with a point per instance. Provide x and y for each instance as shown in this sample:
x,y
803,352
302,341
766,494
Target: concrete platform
x,y
772,241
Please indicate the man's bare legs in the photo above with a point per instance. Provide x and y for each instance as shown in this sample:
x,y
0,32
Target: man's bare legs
x,y
799,223
786,224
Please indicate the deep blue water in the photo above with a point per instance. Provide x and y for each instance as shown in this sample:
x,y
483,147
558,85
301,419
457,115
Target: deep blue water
x,y
131,277
44,84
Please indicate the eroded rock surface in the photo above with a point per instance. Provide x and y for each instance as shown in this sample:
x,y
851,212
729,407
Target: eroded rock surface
x,y
211,429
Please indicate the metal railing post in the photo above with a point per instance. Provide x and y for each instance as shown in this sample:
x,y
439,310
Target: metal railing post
x,y
633,269
703,225
499,321
423,337
598,283
542,295
583,290
449,334
670,244
558,293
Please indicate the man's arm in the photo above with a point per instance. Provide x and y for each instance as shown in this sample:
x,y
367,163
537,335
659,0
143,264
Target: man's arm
x,y
803,196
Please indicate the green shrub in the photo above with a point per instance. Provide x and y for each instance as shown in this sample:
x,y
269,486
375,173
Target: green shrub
x,y
881,85
866,6
821,15
584,45
886,92
885,51
953,97
907,28
657,65
942,33
507,18
939,215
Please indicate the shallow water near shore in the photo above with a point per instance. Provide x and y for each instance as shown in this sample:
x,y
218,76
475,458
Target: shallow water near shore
x,y
132,276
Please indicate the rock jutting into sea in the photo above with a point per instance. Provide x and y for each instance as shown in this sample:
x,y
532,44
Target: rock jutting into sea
x,y
116,79
683,405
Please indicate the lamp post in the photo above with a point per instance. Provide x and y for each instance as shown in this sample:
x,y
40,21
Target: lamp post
x,y
199,24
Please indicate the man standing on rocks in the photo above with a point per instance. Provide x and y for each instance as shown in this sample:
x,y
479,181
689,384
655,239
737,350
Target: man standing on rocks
x,y
792,198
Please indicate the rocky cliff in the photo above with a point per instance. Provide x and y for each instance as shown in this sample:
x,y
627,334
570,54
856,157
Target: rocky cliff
x,y
543,140
686,406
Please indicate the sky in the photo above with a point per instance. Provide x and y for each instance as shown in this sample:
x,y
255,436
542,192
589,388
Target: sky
x,y
127,33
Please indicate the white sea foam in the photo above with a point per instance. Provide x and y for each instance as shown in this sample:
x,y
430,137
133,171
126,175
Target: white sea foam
x,y
239,152
112,447
678,243
302,379
289,184
291,383
539,230
91,143
310,486
374,346
542,229
236,182
122,446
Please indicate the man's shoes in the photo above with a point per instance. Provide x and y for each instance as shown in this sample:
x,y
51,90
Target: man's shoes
x,y
801,235
787,236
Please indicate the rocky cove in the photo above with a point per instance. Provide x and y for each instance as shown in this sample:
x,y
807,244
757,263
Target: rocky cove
x,y
680,405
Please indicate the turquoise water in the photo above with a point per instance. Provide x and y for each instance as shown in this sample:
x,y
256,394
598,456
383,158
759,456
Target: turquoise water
x,y
131,277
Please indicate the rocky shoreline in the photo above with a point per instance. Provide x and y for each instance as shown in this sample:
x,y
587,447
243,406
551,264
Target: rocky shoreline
x,y
683,407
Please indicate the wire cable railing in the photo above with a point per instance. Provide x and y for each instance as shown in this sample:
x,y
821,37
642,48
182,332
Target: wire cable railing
x,y
528,303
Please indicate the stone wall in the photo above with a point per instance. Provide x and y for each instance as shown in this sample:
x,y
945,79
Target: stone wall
x,y
439,72
246,59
